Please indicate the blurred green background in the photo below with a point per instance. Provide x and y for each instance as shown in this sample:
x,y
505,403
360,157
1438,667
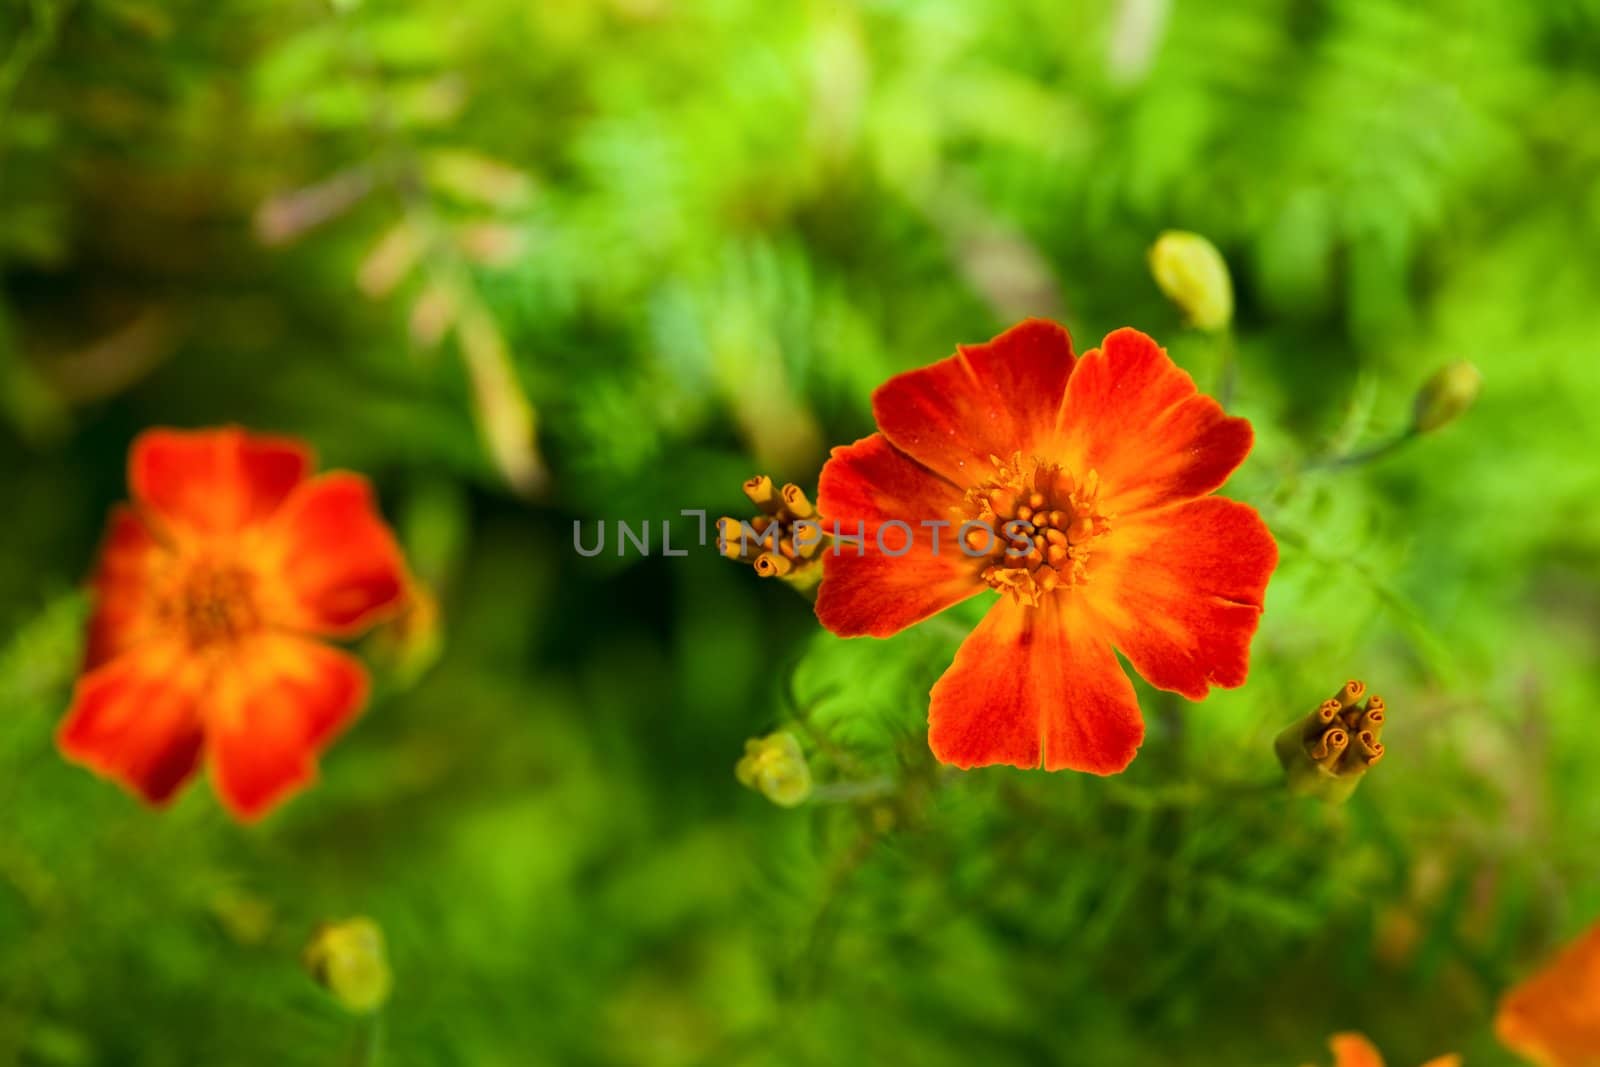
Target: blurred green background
x,y
527,264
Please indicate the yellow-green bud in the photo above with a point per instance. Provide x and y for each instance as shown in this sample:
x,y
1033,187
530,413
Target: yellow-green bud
x,y
1328,752
347,958
1446,396
775,767
1194,276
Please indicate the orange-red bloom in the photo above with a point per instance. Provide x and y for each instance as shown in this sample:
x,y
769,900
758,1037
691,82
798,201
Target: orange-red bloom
x,y
1353,1050
210,596
1553,1018
1100,466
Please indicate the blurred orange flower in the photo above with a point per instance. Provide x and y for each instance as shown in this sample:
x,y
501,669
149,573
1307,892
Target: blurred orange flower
x,y
1553,1018
212,590
1353,1050
1079,487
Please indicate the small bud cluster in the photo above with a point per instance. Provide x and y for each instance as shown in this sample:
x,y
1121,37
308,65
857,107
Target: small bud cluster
x,y
784,541
1326,753
775,767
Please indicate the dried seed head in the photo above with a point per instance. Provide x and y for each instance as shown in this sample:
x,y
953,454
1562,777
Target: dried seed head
x,y
1327,752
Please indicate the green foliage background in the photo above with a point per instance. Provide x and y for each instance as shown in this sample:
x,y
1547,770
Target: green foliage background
x,y
692,237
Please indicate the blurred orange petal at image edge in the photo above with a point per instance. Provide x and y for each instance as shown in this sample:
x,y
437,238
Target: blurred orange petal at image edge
x,y
1553,1018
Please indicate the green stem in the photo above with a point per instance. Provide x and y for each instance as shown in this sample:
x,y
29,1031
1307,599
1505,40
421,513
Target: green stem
x,y
1227,367
839,792
366,1050
1366,455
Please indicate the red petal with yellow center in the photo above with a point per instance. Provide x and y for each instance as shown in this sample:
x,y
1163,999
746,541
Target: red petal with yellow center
x,y
1036,687
1134,417
987,400
125,612
280,701
334,558
1353,1050
134,719
1553,1018
210,483
1180,591
862,487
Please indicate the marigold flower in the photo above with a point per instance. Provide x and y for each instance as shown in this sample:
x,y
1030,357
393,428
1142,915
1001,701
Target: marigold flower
x,y
1553,1018
212,590
1353,1050
349,960
1328,752
1077,488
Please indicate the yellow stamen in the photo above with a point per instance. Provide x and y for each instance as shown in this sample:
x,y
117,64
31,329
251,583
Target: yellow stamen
x,y
1044,522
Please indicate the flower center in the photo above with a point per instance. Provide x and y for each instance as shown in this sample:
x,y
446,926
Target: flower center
x,y
214,602
1043,521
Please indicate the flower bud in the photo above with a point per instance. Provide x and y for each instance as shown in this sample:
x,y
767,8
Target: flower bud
x,y
775,767
1446,396
347,958
1327,753
1194,276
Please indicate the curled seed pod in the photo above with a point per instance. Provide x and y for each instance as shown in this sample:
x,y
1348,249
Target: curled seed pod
x,y
1326,752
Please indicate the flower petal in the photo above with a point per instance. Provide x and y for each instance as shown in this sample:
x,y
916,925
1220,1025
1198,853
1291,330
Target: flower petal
x,y
865,590
1180,592
987,400
1553,1018
1036,687
131,558
281,703
134,720
1132,415
213,482
339,565
1353,1050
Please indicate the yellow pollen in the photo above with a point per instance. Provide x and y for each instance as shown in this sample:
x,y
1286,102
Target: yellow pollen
x,y
1044,515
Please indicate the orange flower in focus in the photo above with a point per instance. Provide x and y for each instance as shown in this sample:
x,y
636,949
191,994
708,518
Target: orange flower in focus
x,y
1078,488
1353,1050
212,592
1553,1018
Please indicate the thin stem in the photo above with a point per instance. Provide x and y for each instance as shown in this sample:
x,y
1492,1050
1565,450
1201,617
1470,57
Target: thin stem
x,y
367,1049
1227,367
840,792
1366,455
